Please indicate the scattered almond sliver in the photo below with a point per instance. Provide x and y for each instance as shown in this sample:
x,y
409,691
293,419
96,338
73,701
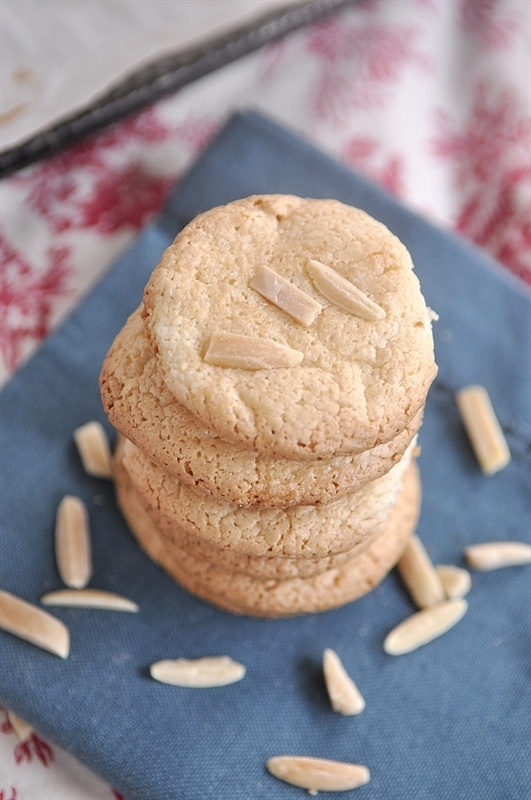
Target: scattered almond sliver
x,y
342,292
420,576
283,294
22,728
94,450
34,625
344,695
318,774
89,598
424,627
494,555
72,542
455,580
249,352
200,673
483,429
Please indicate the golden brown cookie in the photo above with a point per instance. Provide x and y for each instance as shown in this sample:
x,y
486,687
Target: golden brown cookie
x,y
264,567
242,594
296,531
141,407
292,327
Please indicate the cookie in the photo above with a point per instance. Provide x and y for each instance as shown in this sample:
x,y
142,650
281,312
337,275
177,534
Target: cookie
x,y
141,407
264,567
292,327
242,594
298,531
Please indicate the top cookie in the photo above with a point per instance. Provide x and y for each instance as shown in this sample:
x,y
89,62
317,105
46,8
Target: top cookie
x,y
327,351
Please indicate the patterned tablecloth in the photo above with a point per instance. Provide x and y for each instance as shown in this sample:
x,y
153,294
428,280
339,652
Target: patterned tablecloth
x,y
430,98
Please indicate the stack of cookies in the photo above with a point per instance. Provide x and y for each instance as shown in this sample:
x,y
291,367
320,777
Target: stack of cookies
x,y
268,393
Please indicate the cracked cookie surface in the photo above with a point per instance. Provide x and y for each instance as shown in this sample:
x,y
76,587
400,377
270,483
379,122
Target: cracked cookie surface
x,y
360,381
303,531
240,593
141,407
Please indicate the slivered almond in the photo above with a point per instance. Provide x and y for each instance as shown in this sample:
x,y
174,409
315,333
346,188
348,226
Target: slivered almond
x,y
420,576
249,352
342,292
494,555
285,295
198,673
318,774
34,625
89,598
424,626
72,542
344,695
22,728
455,580
94,450
483,429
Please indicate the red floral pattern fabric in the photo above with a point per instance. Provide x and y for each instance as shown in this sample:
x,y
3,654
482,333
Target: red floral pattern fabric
x,y
375,85
491,170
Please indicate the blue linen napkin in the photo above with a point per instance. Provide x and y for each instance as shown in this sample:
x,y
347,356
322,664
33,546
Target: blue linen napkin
x,y
449,720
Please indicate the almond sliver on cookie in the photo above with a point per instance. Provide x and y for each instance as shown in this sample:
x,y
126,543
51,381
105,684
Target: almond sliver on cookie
x,y
198,673
318,774
285,295
342,293
72,542
249,352
34,625
344,695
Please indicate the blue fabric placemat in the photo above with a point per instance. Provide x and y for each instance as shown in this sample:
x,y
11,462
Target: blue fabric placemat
x,y
450,720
